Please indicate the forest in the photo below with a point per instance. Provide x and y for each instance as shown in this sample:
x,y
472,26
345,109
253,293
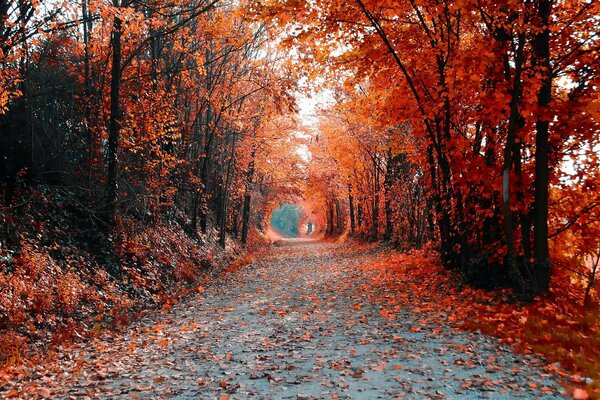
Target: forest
x,y
147,147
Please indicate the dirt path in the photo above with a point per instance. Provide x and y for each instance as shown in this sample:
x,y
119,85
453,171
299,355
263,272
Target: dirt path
x,y
296,324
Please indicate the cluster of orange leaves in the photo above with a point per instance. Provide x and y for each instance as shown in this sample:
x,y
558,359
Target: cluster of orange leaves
x,y
556,327
144,255
56,293
39,296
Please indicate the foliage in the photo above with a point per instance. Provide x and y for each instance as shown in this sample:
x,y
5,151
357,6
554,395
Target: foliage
x,y
470,123
62,278
135,136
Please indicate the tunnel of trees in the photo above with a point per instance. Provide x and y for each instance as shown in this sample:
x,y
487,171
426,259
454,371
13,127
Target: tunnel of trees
x,y
466,127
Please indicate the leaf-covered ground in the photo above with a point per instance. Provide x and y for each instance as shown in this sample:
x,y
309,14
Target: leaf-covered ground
x,y
307,320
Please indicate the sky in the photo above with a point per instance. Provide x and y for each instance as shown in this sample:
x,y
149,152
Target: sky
x,y
308,108
307,115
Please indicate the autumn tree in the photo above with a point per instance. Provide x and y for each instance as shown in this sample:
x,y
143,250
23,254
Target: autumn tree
x,y
479,86
154,113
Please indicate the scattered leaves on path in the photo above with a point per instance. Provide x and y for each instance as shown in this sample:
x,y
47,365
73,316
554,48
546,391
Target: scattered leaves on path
x,y
287,326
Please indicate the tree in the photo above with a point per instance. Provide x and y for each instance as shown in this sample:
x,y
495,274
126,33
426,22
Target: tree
x,y
476,84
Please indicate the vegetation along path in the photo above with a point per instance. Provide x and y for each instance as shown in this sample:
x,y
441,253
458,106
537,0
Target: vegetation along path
x,y
302,322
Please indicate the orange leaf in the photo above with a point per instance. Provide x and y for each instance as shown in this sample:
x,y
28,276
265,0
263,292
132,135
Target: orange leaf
x,y
580,394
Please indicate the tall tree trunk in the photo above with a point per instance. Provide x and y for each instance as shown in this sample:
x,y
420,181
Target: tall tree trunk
x,y
235,218
387,186
541,47
360,212
338,215
330,220
247,195
87,89
375,209
206,166
351,206
513,125
114,127
430,234
441,218
524,215
225,197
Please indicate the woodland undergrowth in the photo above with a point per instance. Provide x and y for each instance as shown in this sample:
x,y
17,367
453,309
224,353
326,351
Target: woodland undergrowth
x,y
64,279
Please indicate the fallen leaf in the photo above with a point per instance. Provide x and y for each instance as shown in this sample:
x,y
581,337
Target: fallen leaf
x,y
580,394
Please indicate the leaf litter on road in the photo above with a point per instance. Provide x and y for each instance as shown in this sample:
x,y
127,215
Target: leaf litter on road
x,y
308,320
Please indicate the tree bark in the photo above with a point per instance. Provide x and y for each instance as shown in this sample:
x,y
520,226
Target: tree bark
x,y
338,215
351,206
375,209
247,195
387,186
360,213
513,125
541,47
224,200
330,220
114,127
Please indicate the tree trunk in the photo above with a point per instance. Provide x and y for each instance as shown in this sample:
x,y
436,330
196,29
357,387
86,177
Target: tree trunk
x,y
330,220
338,215
513,125
360,213
375,209
87,89
114,127
224,200
247,195
387,186
351,206
541,47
